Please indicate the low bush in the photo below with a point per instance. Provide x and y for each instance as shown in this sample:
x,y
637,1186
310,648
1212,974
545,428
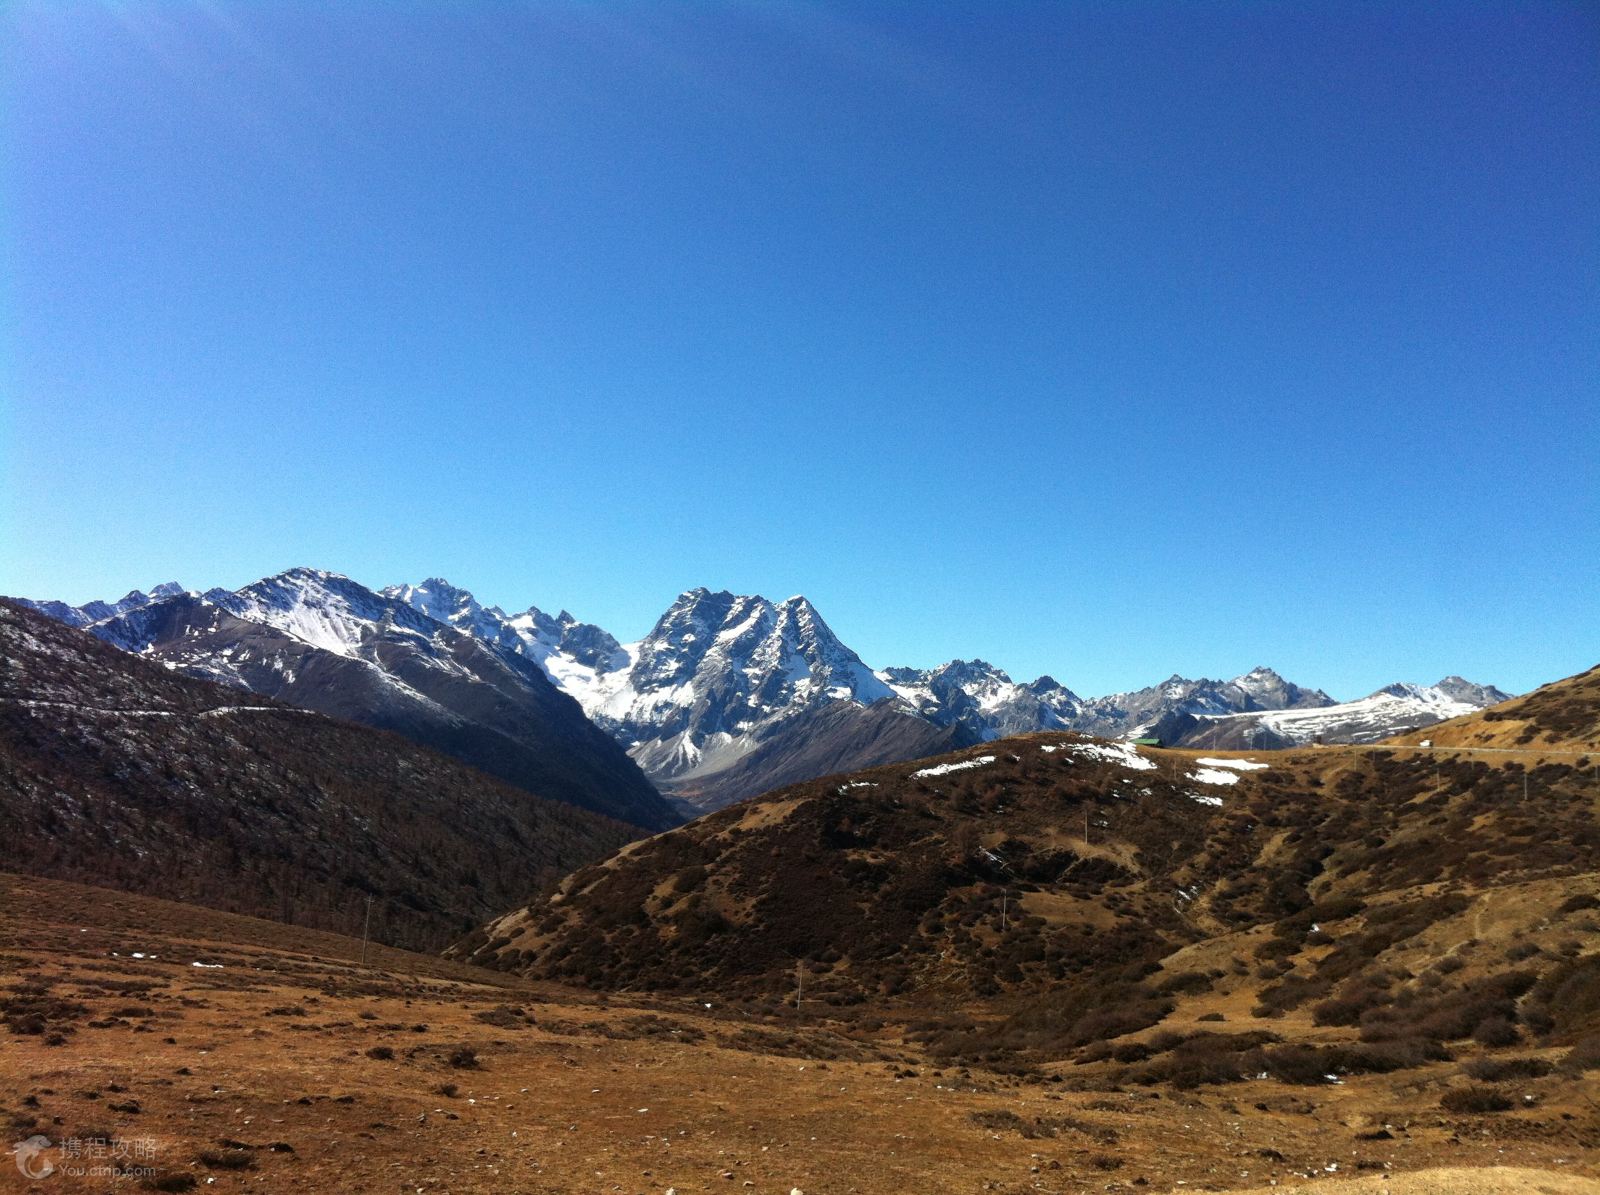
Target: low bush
x,y
1583,1057
1498,1070
1496,1032
228,1159
1475,1099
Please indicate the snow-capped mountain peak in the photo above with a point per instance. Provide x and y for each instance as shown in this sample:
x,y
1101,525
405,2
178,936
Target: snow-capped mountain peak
x,y
438,599
716,671
327,610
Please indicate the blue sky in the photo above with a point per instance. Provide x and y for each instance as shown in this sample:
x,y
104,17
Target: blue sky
x,y
1105,340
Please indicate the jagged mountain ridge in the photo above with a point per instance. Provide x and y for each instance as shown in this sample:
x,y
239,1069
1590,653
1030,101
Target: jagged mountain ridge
x,y
82,616
989,704
323,642
720,675
717,676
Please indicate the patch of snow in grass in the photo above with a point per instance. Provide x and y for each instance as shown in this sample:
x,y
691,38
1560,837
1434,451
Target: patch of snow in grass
x,y
1214,776
1118,753
945,769
1241,765
1204,799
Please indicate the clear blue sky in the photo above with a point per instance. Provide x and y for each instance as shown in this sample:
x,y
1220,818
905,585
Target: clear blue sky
x,y
1103,339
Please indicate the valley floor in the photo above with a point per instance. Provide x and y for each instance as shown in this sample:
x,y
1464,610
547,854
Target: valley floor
x,y
247,1055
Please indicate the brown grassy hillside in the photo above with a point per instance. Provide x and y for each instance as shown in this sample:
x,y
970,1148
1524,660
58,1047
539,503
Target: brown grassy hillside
x,y
115,771
285,1064
1564,715
1334,912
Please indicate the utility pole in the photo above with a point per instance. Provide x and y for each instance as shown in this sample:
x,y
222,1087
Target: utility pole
x,y
1005,894
366,925
1086,824
799,984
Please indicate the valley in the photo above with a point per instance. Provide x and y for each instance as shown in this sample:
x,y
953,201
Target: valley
x,y
1043,962
225,1053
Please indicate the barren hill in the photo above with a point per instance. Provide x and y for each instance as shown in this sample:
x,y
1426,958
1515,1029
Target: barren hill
x,y
118,771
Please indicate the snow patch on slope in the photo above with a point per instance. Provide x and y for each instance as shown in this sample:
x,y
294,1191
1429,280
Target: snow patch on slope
x,y
944,769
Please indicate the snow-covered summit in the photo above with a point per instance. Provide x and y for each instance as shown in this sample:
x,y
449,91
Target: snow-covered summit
x,y
327,610
720,669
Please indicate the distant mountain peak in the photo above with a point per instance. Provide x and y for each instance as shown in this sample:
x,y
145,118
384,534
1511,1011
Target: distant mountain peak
x,y
1261,672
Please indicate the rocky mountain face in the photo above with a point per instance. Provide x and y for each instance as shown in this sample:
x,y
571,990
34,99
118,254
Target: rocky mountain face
x,y
840,736
120,770
718,676
323,642
724,684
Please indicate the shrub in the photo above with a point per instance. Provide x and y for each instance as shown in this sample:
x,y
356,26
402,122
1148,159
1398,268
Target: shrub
x,y
1567,997
1185,983
381,1053
1346,1009
1495,1032
465,1058
1475,1099
228,1159
1585,1056
1498,1070
1301,1065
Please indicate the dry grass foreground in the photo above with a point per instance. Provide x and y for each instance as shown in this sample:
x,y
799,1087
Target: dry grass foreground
x,y
245,1055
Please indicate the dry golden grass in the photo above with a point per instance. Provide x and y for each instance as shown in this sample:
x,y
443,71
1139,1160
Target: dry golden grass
x,y
212,1068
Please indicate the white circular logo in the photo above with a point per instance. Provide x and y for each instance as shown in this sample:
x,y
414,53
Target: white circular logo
x,y
30,1157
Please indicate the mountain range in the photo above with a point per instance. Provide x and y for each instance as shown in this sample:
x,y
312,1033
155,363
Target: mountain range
x,y
726,697
322,642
